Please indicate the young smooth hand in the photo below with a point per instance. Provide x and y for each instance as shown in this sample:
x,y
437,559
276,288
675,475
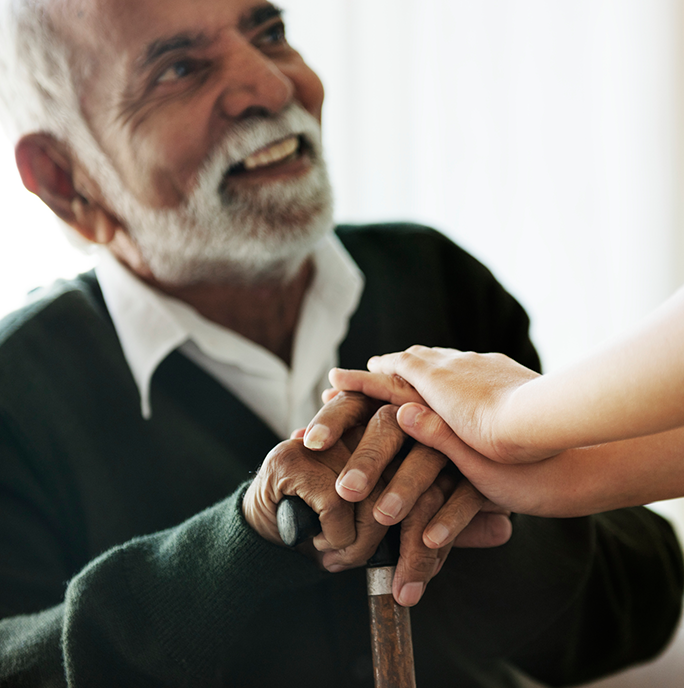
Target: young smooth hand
x,y
475,394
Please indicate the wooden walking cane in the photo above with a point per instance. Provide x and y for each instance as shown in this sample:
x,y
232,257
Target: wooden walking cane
x,y
390,623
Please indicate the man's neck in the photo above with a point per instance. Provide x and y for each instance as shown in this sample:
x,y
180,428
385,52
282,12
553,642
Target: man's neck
x,y
265,313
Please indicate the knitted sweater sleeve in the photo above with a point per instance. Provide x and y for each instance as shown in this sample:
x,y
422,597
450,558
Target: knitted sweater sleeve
x,y
163,609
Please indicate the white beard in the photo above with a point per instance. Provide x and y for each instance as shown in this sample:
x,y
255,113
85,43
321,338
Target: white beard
x,y
247,235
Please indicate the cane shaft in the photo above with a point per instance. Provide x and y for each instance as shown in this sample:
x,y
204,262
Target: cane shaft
x,y
390,624
391,642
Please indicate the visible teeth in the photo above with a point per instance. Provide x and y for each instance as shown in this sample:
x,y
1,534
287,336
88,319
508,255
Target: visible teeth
x,y
275,153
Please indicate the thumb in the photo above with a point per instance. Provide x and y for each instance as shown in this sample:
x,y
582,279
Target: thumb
x,y
428,428
538,489
425,426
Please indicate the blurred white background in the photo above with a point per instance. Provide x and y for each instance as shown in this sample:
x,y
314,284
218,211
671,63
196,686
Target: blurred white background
x,y
544,137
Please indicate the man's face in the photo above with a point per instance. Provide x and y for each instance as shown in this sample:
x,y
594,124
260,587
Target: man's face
x,y
211,122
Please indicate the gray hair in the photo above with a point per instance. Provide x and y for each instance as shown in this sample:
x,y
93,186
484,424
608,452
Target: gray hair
x,y
37,90
39,75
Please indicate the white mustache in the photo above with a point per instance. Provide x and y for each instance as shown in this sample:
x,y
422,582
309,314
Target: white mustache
x,y
256,133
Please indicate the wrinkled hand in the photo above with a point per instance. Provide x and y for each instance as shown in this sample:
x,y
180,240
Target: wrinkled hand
x,y
472,392
291,469
350,534
418,488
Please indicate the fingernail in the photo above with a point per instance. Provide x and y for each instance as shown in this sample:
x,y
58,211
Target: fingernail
x,y
336,568
438,534
390,505
354,480
316,437
410,594
410,415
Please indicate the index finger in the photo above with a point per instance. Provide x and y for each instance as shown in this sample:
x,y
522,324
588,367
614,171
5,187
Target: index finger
x,y
459,510
345,411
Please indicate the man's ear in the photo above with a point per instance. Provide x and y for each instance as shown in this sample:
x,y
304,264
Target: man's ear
x,y
47,170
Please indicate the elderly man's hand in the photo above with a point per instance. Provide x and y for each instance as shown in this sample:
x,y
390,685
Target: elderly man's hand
x,y
421,486
350,534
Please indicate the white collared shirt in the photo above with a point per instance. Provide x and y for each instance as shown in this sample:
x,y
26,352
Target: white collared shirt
x,y
151,324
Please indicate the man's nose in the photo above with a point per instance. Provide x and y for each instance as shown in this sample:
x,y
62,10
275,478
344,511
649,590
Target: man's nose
x,y
252,81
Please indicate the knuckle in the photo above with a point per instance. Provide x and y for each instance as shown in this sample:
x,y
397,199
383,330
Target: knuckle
x,y
358,551
352,406
362,550
344,404
387,415
335,509
420,563
399,382
348,397
496,356
405,358
423,511
350,557
383,437
460,511
419,474
431,501
285,453
373,461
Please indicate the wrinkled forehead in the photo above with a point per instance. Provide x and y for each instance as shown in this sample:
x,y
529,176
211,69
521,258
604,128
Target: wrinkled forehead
x,y
104,34
108,37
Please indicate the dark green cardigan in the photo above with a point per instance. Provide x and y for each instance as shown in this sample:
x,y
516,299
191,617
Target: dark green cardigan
x,y
125,560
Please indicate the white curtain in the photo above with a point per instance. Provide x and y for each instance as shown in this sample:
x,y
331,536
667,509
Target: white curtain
x,y
542,135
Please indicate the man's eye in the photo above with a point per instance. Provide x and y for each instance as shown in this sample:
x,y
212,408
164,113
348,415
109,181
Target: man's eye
x,y
178,70
274,34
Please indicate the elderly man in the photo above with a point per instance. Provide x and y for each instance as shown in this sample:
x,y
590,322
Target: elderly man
x,y
137,548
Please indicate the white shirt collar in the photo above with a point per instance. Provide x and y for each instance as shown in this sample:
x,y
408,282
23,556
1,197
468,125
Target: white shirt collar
x,y
150,325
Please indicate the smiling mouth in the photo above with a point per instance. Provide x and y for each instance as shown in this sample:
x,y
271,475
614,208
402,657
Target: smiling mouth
x,y
270,156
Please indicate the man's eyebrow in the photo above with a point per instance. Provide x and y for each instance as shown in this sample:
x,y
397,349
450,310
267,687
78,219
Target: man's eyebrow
x,y
260,15
256,17
180,41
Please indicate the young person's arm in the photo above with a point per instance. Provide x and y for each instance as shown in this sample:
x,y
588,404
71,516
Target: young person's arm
x,y
576,482
510,414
